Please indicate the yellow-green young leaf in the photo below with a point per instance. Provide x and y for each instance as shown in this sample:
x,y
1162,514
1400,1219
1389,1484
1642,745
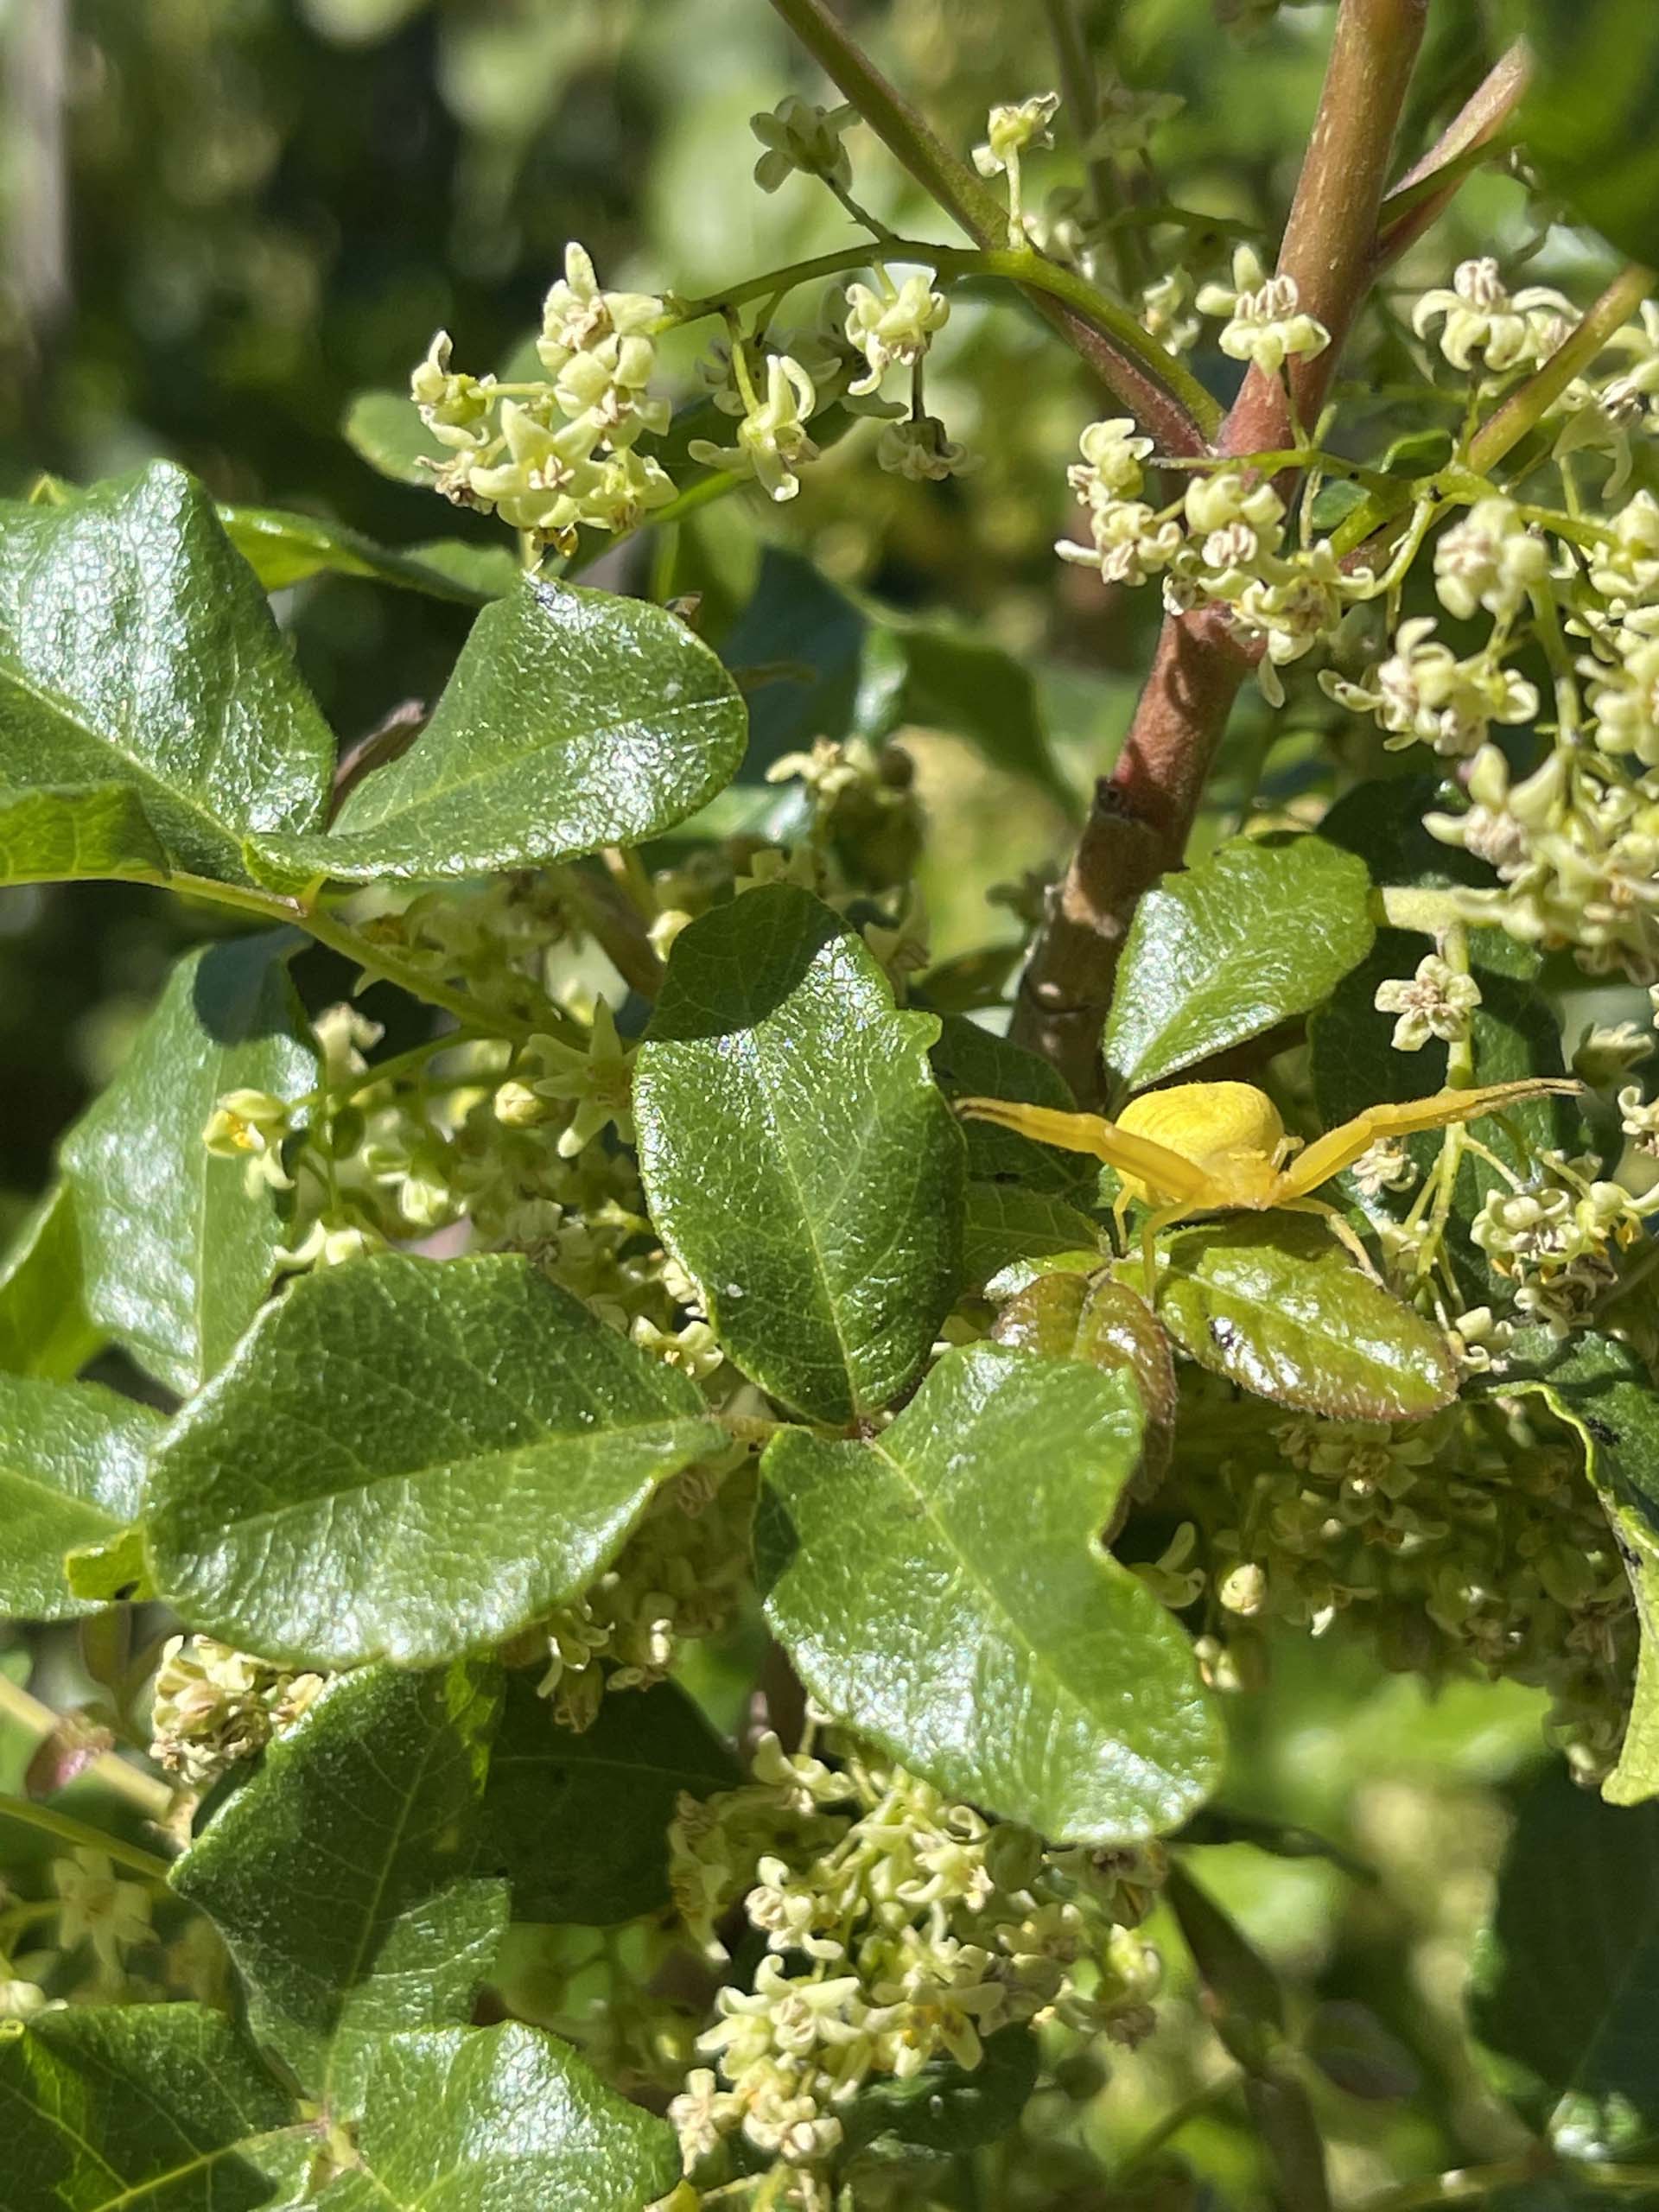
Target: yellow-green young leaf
x,y
177,1252
1566,1987
1254,934
287,549
1274,1304
45,1328
72,1471
137,649
385,429
578,1823
57,835
498,2120
797,1158
943,1589
411,1460
1066,1316
574,719
340,1874
142,2108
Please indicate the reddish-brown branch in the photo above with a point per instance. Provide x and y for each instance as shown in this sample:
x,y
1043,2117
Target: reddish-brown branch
x,y
1138,824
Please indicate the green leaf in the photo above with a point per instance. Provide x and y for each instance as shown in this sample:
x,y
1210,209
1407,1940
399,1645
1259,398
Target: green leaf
x,y
574,719
1004,1224
45,1328
285,548
385,429
71,1468
136,650
1601,1388
59,836
1587,122
411,1460
843,665
944,1589
1274,1304
1254,934
797,1158
1091,1318
579,1823
970,1062
178,1253
1566,1987
944,2108
498,2120
339,1874
164,2107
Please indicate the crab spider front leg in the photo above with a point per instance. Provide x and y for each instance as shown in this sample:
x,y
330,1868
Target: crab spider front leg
x,y
1159,1173
1340,1148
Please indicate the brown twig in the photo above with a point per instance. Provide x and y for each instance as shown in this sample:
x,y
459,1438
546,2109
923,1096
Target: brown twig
x,y
1138,826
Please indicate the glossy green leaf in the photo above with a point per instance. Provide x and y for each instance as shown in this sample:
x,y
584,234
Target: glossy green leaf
x,y
141,2108
136,650
72,1467
385,429
797,1158
482,2120
339,1875
1005,1225
1259,931
1565,1987
574,719
60,836
285,548
970,1062
944,1589
411,1460
578,1823
1091,1318
177,1252
945,2108
1588,118
1274,1303
45,1328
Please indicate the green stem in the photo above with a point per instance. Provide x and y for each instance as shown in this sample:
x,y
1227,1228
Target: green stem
x,y
392,968
1080,87
1164,2130
1141,376
1430,914
1528,405
1022,265
82,1837
143,1790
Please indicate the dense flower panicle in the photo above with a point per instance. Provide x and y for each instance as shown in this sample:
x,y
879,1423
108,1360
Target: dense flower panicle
x,y
213,1706
898,1928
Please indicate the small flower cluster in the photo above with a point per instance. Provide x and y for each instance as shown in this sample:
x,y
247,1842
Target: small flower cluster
x,y
900,1929
1556,1239
679,1577
1467,1544
213,1706
551,457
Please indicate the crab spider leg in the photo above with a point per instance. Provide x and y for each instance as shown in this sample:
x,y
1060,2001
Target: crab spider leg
x,y
1164,1174
1151,1228
1339,1148
1339,1228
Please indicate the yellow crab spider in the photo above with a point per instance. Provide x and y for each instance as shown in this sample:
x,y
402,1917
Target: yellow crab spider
x,y
1221,1147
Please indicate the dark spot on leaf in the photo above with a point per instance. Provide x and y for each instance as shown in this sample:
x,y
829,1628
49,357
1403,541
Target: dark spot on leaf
x,y
1225,1335
1601,1430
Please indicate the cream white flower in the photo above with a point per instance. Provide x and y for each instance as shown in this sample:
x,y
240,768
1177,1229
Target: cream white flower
x,y
1010,131
113,1914
892,325
600,1082
1437,1002
1489,559
798,135
773,441
921,448
1423,691
1128,544
454,408
1479,317
577,314
1265,321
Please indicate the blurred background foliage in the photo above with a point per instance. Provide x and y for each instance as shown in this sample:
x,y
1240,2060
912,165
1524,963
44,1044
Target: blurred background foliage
x,y
223,218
